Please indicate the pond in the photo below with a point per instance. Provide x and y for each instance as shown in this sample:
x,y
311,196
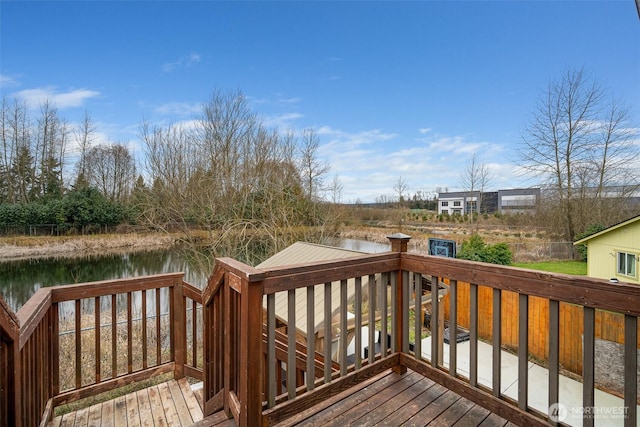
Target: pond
x,y
19,280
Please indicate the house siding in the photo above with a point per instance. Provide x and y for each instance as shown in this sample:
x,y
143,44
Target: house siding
x,y
602,252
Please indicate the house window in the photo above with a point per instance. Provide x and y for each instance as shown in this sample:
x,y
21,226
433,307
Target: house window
x,y
627,264
443,204
456,203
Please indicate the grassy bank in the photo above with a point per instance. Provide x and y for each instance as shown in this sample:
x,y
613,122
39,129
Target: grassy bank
x,y
17,247
578,268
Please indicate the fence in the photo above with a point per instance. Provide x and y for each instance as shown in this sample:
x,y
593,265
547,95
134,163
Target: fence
x,y
536,251
609,326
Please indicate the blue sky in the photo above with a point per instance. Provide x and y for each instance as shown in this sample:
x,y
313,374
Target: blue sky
x,y
393,89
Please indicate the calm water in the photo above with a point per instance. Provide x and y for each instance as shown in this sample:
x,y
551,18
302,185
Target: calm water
x,y
19,280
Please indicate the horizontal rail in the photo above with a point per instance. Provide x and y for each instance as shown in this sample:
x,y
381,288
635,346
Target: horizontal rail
x,y
585,291
110,287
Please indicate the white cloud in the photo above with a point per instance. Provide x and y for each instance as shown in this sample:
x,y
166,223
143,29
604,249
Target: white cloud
x,y
370,162
282,121
178,108
184,62
8,81
72,98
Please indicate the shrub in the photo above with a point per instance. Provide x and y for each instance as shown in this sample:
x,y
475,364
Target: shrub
x,y
592,229
475,249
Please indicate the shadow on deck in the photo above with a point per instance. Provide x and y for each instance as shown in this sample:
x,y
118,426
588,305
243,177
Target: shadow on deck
x,y
390,399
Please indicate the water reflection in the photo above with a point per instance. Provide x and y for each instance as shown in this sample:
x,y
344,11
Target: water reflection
x,y
19,280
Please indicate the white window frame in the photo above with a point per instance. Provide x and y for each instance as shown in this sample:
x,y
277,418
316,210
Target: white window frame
x,y
627,264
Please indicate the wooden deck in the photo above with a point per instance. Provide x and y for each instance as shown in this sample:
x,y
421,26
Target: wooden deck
x,y
385,400
172,403
397,400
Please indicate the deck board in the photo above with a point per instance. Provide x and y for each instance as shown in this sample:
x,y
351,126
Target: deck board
x,y
397,400
120,411
389,399
167,404
159,417
107,414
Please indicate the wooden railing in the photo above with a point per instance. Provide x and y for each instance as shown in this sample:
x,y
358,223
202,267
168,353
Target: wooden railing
x,y
9,340
263,362
253,388
72,342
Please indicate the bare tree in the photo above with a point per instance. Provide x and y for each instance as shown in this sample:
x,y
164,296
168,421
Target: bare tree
x,y
111,169
475,178
335,190
15,138
227,173
312,169
400,188
84,136
582,147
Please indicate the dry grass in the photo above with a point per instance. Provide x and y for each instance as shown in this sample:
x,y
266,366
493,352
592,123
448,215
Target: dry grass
x,y
17,247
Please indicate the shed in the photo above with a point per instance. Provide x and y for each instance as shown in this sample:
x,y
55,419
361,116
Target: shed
x,y
304,253
614,253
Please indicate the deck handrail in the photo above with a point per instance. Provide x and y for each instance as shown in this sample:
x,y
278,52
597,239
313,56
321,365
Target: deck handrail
x,y
245,344
404,272
32,378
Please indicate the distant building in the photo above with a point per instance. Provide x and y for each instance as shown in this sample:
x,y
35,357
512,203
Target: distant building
x,y
519,200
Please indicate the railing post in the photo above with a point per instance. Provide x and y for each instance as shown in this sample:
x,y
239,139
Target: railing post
x,y
251,370
179,329
399,242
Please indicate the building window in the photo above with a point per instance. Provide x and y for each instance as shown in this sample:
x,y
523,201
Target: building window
x,y
627,264
456,203
443,204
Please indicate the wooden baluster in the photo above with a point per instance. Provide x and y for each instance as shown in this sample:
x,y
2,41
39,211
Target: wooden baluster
x,y
630,369
343,327
194,334
143,315
78,336
388,280
453,327
129,334
523,351
497,342
588,366
114,337
473,335
271,367
158,329
291,343
357,301
311,338
554,351
96,312
372,318
417,315
327,332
